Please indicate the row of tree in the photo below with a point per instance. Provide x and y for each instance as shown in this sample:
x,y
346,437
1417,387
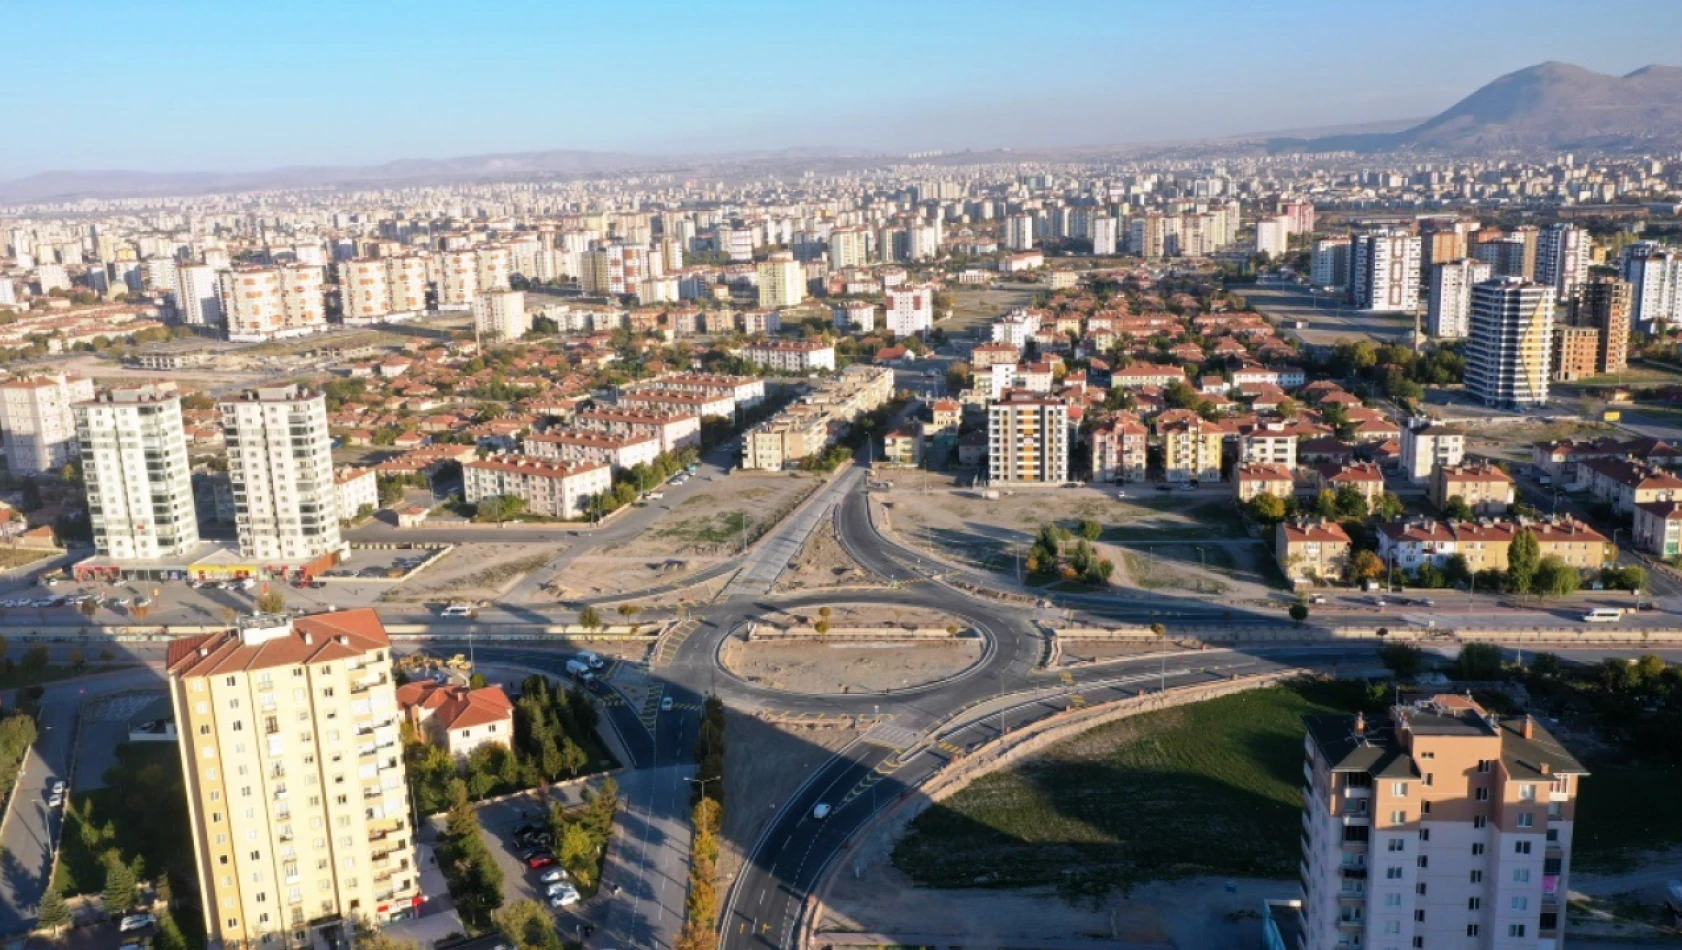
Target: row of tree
x,y
581,835
475,879
700,923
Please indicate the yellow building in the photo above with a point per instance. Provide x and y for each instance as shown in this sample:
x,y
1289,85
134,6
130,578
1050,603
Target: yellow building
x,y
295,781
1311,551
1191,450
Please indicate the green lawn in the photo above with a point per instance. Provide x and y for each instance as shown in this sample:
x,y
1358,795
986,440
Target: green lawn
x,y
152,826
1211,788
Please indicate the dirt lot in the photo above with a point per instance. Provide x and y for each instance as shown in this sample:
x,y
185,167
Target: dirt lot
x,y
848,667
597,575
1079,651
1512,442
990,533
714,521
823,563
755,785
475,572
976,307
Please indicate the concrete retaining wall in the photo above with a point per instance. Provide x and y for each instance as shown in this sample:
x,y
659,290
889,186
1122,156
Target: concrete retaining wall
x,y
768,632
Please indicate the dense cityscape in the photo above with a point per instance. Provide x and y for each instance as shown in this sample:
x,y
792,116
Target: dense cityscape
x,y
1266,541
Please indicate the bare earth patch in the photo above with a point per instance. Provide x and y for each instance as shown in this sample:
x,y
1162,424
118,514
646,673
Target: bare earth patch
x,y
824,563
848,667
861,615
718,519
598,575
475,572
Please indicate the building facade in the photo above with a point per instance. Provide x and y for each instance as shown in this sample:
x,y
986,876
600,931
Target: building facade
x,y
1028,439
280,461
1509,356
137,474
38,422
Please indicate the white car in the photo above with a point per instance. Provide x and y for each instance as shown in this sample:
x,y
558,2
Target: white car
x,y
565,898
458,610
58,788
666,704
821,811
554,875
136,922
55,800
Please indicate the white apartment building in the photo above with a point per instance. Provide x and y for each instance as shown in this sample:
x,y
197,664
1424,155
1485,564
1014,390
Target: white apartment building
x,y
136,472
1019,232
1384,271
198,295
782,281
550,488
788,356
495,267
458,279
1562,259
365,289
1027,439
1445,827
500,315
280,461
910,310
38,423
848,247
1449,304
1106,236
357,487
406,280
855,316
1654,272
1329,263
296,792
266,303
1509,353
615,269
619,452
1273,236
1430,447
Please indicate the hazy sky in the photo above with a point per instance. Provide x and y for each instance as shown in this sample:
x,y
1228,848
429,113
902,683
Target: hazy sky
x,y
232,85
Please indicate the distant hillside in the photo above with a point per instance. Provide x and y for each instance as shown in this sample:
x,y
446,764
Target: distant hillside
x,y
1551,106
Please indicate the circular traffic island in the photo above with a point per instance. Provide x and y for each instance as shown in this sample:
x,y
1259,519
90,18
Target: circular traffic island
x,y
828,666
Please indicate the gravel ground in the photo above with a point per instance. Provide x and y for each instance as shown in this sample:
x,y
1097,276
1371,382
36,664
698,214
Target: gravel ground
x,y
596,575
475,572
860,615
848,667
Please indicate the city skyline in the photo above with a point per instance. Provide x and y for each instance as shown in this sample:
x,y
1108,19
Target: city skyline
x,y
276,92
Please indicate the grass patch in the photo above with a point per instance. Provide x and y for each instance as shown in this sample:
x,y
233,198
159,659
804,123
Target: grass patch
x,y
1213,788
1158,573
709,529
11,558
148,827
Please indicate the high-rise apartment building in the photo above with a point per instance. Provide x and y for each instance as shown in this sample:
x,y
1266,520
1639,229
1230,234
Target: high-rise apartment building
x,y
501,315
1444,827
1654,272
1604,303
263,303
1384,271
1329,264
198,295
847,248
365,289
296,791
1449,305
406,279
1027,439
495,266
1562,258
1510,343
458,279
1106,236
1019,232
38,423
280,461
1273,235
137,474
782,281
615,269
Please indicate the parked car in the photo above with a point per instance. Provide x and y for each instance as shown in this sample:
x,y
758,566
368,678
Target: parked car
x,y
134,922
540,860
565,898
666,704
553,875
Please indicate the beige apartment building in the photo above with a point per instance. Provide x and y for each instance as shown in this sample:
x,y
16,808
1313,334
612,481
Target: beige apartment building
x,y
1191,450
38,423
1444,827
550,488
1027,439
817,419
295,781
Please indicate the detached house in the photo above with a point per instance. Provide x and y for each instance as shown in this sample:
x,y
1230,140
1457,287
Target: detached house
x,y
457,719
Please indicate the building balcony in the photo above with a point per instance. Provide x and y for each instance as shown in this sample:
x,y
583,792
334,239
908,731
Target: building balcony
x,y
1352,873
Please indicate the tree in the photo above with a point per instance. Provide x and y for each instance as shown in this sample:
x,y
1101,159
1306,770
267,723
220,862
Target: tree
x,y
589,619
1522,557
628,611
35,659
121,887
526,924
54,913
88,607
1267,509
271,602
77,658
1478,662
1456,509
1351,503
1389,507
1403,659
1366,566
1299,611
1555,577
1090,529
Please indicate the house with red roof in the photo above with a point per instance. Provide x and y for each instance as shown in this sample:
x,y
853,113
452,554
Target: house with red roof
x,y
457,719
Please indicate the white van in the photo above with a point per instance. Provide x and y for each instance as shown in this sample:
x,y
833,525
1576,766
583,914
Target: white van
x,y
458,610
1603,615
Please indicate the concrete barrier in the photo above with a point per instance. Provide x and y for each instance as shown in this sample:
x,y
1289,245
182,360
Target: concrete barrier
x,y
758,632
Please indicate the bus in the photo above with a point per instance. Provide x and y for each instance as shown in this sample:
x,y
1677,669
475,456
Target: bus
x,y
1603,615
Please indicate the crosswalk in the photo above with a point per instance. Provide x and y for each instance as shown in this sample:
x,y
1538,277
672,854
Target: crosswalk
x,y
892,736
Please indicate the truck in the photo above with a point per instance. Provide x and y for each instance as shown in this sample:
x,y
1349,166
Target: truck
x,y
578,669
592,660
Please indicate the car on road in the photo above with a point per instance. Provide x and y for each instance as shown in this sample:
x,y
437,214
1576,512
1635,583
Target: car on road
x,y
55,799
821,810
456,610
1317,599
134,922
540,860
665,704
558,888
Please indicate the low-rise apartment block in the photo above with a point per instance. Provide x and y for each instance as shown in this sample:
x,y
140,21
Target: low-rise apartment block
x,y
1191,449
1311,552
1120,450
1260,478
675,430
791,356
582,445
817,419
549,488
1485,488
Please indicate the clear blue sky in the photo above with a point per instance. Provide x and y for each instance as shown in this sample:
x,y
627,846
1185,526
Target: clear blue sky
x,y
235,85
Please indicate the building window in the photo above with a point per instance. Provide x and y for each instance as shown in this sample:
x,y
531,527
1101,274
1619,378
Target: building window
x,y
1484,765
1526,819
1527,793
1515,930
1521,847
1393,873
1471,930
1521,903
1396,844
1521,875
1482,795
1477,877
1477,849
1399,789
